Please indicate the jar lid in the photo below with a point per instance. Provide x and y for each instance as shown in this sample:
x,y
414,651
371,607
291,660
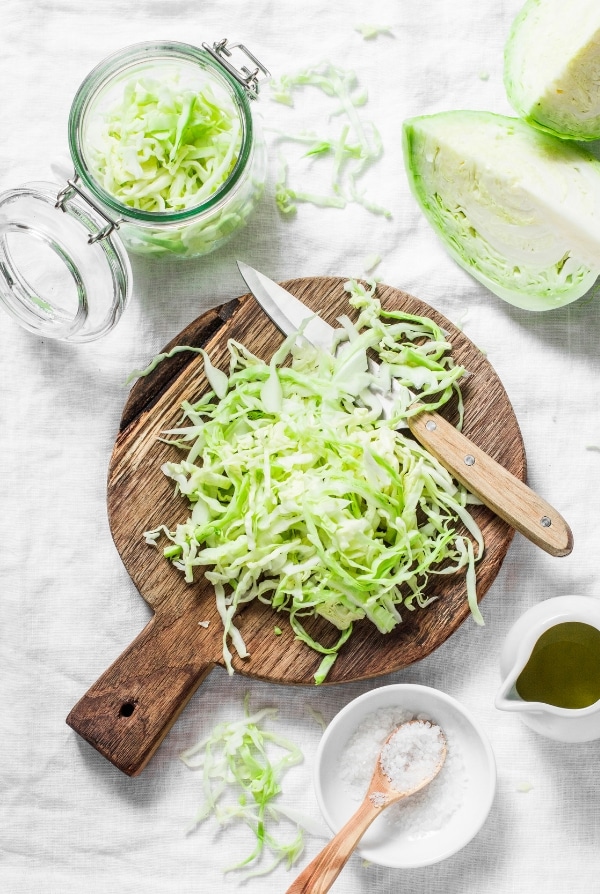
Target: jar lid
x,y
64,272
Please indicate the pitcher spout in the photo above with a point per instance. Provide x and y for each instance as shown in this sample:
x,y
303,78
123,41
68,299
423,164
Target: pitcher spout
x,y
508,699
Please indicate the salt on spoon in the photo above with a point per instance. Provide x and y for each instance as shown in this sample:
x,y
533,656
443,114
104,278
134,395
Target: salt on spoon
x,y
411,757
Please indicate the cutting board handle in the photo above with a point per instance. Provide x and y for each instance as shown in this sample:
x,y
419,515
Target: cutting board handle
x,y
129,710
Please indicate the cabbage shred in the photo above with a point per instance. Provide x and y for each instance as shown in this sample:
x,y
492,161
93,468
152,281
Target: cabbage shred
x,y
304,498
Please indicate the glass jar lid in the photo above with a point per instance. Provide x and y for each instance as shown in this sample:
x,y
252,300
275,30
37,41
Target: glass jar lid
x,y
64,272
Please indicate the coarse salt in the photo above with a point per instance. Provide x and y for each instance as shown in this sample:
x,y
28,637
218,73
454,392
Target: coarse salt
x,y
424,812
412,754
379,798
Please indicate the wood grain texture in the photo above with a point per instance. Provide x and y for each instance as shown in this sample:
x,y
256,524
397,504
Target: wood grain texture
x,y
507,496
127,712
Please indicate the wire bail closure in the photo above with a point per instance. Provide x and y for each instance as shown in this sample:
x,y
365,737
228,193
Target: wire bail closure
x,y
250,80
67,192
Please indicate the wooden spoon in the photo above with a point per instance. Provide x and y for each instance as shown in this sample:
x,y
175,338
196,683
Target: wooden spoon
x,y
323,870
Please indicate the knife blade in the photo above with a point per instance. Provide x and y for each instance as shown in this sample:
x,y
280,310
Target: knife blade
x,y
505,494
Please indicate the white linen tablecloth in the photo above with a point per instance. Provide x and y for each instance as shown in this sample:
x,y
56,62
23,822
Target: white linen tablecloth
x,y
69,821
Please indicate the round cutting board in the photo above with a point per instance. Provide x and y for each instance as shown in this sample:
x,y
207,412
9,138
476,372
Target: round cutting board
x,y
127,712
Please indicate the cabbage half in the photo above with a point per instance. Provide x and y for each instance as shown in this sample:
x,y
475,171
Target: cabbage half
x,y
517,208
552,66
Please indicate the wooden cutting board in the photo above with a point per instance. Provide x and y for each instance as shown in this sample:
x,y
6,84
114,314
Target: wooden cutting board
x,y
128,711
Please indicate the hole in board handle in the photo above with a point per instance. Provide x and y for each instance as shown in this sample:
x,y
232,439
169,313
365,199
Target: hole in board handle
x,y
127,709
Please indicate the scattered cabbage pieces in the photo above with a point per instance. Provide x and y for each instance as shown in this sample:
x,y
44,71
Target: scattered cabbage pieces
x,y
165,146
243,764
304,498
370,32
350,147
518,208
552,66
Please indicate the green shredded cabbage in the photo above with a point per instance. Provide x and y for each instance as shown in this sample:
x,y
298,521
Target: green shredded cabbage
x,y
242,779
304,498
165,146
216,378
369,32
287,199
350,151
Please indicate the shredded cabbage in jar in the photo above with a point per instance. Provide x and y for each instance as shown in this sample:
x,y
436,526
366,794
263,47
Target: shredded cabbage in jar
x,y
165,146
304,498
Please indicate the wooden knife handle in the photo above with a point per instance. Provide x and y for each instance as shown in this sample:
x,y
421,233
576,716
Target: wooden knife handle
x,y
497,488
127,713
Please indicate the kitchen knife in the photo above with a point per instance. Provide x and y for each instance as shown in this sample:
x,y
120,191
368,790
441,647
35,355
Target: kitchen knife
x,y
498,489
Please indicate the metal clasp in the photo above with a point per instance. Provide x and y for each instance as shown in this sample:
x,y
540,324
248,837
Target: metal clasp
x,y
221,51
67,192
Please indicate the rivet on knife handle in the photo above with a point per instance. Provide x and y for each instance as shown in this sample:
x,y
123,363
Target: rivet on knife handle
x,y
500,491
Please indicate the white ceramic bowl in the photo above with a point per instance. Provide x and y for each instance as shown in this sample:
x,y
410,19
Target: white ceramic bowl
x,y
428,830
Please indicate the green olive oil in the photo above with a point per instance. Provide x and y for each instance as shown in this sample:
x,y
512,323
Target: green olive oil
x,y
564,667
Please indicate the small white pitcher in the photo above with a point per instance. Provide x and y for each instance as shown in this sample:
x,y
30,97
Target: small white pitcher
x,y
561,724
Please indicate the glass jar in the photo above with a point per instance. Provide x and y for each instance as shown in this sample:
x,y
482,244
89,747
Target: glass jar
x,y
169,161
